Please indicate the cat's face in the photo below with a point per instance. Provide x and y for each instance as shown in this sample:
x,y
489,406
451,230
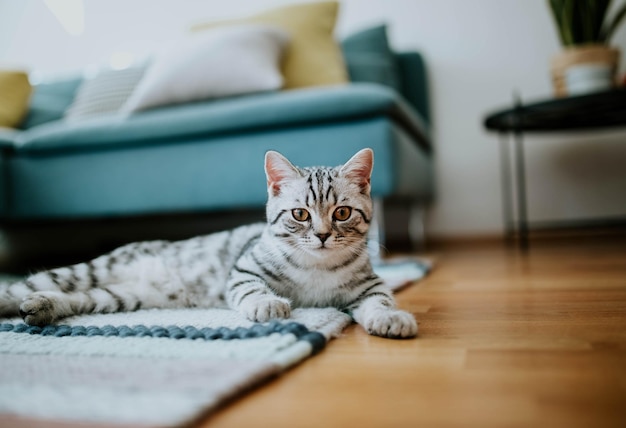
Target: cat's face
x,y
320,212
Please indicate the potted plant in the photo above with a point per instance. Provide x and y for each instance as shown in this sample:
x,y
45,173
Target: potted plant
x,y
585,29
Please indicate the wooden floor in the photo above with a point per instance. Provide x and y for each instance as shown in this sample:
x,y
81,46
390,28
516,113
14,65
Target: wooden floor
x,y
505,340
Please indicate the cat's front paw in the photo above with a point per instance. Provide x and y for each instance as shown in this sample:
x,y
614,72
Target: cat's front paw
x,y
393,324
39,309
266,308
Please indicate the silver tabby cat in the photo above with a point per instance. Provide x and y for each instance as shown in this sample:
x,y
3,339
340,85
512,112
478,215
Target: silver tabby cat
x,y
312,252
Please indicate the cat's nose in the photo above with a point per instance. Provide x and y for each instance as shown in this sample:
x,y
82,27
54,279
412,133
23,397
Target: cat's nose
x,y
323,236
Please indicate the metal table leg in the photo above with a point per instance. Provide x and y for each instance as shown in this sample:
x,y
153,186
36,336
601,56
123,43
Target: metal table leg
x,y
506,186
514,225
522,213
522,210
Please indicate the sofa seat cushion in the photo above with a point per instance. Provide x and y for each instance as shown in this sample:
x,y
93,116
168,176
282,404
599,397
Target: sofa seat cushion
x,y
227,116
223,173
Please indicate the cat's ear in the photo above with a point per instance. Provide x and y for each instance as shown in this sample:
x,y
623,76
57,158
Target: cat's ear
x,y
359,168
278,169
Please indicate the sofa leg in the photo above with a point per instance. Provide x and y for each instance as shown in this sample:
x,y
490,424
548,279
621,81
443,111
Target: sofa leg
x,y
417,231
376,235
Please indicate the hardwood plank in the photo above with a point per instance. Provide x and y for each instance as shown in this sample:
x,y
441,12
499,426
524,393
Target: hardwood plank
x,y
506,340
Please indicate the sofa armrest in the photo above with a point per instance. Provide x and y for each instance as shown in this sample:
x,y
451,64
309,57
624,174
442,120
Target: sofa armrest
x,y
414,82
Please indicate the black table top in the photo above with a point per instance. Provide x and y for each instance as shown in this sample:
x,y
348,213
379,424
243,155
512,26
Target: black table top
x,y
598,110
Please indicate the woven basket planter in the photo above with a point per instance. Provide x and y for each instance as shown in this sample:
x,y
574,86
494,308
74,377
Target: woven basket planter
x,y
584,54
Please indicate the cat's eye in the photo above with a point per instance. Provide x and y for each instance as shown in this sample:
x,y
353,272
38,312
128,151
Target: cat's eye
x,y
342,213
300,214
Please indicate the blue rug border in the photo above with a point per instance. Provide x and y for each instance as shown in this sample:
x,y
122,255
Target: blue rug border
x,y
316,339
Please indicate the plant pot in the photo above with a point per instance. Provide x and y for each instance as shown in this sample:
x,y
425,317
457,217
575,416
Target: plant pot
x,y
592,55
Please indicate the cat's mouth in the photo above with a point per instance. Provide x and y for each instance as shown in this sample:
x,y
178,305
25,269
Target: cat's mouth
x,y
320,249
327,248
326,245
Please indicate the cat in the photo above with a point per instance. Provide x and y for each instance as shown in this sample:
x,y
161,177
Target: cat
x,y
311,252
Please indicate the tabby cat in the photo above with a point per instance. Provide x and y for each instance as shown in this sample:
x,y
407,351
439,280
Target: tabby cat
x,y
312,252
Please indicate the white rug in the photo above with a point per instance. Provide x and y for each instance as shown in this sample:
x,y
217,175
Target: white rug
x,y
157,367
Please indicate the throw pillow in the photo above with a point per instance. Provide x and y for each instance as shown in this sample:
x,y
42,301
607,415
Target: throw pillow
x,y
15,92
313,57
218,63
105,93
370,59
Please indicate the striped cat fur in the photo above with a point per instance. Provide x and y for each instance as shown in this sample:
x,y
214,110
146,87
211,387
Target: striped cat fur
x,y
312,252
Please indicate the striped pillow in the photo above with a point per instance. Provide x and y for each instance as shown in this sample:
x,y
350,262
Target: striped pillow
x,y
104,93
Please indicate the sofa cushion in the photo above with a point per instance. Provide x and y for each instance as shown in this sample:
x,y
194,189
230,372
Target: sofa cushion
x,y
369,57
14,94
227,116
313,57
50,100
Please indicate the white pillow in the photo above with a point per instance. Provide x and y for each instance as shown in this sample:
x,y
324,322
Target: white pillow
x,y
221,62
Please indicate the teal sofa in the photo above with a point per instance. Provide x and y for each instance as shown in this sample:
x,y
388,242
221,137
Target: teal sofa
x,y
207,157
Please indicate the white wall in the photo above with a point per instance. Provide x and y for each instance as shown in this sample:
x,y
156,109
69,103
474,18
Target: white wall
x,y
478,53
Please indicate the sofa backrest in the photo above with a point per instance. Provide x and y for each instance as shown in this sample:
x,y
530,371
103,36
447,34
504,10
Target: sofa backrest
x,y
50,100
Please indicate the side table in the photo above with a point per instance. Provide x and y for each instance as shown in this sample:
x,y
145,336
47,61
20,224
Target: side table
x,y
591,111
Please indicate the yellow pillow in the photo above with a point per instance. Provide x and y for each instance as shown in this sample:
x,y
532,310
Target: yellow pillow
x,y
313,57
14,95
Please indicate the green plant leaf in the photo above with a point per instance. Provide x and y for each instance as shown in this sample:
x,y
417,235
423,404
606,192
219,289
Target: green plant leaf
x,y
562,13
585,21
555,8
612,25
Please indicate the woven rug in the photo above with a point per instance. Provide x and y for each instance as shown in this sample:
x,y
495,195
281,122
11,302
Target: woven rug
x,y
157,367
